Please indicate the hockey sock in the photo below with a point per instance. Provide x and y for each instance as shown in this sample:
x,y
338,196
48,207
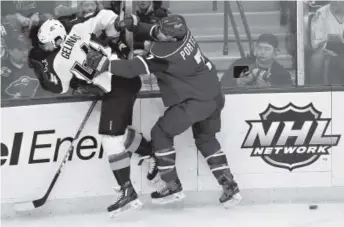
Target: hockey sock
x,y
219,166
166,160
136,143
120,166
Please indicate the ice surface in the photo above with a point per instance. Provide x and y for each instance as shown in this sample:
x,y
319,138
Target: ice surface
x,y
286,215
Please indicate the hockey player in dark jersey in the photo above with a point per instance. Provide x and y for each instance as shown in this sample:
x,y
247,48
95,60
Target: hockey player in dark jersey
x,y
65,65
191,90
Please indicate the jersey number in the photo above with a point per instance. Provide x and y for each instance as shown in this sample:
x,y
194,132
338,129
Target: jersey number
x,y
81,69
200,59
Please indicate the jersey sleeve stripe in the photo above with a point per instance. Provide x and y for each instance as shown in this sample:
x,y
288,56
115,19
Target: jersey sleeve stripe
x,y
144,63
151,31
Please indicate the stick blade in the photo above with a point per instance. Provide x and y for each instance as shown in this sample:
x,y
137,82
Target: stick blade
x,y
24,206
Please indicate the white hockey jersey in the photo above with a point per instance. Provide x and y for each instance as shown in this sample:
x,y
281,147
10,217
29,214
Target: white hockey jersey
x,y
71,58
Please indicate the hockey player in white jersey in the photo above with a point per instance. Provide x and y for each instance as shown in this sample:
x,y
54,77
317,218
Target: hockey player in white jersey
x,y
66,65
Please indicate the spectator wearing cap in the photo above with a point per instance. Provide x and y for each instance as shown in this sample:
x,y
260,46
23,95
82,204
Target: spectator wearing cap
x,y
261,70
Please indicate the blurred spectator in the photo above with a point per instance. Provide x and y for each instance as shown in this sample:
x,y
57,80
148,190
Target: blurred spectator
x,y
27,15
25,12
315,5
17,80
148,12
327,31
261,70
115,6
88,8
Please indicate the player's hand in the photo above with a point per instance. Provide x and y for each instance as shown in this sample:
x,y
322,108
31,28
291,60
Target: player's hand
x,y
129,22
98,61
81,87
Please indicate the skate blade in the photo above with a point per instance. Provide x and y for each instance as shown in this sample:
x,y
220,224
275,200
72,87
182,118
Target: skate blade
x,y
133,205
169,199
235,200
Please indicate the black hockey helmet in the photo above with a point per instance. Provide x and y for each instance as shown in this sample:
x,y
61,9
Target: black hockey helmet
x,y
173,25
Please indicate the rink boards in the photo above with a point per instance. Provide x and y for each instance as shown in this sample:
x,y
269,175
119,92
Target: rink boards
x,y
272,141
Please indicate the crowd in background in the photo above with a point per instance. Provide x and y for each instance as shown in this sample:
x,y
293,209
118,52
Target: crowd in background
x,y
324,56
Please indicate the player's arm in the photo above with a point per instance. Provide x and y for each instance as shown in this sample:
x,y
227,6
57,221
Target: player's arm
x,y
105,20
130,69
48,80
143,30
147,31
137,66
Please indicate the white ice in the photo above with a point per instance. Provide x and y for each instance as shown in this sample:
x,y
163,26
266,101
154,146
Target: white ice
x,y
286,215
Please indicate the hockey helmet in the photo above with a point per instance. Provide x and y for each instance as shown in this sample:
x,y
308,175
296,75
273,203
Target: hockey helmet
x,y
50,31
173,25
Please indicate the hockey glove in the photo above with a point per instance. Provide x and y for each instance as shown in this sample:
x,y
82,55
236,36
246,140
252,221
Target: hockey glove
x,y
96,60
88,89
81,87
129,22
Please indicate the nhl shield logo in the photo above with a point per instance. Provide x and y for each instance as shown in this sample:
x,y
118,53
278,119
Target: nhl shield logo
x,y
290,137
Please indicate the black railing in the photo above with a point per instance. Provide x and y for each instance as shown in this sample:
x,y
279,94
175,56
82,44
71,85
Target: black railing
x,y
228,14
215,5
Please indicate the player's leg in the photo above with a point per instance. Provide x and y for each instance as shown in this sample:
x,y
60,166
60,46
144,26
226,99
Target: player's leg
x,y
136,143
205,138
116,115
175,121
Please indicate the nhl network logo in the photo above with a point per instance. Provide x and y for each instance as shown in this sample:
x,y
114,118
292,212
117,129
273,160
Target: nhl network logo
x,y
289,137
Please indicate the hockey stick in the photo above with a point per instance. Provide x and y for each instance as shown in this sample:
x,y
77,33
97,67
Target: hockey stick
x,y
128,10
24,206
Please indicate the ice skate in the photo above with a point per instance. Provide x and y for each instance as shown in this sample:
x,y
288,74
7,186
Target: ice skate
x,y
152,175
168,192
127,200
230,195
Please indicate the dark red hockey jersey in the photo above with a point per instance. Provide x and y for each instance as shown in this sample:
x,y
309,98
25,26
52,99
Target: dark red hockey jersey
x,y
183,72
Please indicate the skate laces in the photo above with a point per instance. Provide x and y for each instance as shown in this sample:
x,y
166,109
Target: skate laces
x,y
142,158
119,193
151,164
161,186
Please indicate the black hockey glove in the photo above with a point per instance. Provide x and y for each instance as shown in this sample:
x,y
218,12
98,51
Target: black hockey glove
x,y
81,87
98,61
88,89
129,22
